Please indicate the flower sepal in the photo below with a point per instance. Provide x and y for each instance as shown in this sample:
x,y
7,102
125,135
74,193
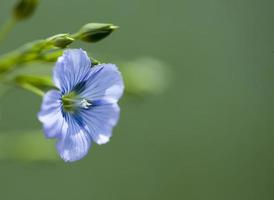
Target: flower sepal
x,y
60,40
94,32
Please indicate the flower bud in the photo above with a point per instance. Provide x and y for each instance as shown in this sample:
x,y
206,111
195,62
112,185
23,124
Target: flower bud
x,y
60,40
24,9
93,32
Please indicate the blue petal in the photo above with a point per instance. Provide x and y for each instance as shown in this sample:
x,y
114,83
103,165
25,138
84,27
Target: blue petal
x,y
75,144
71,69
104,83
100,121
51,114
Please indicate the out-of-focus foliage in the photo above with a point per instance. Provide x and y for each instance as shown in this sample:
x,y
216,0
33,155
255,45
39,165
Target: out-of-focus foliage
x,y
27,146
145,76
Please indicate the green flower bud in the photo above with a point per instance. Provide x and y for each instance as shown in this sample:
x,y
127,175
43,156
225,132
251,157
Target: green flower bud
x,y
24,9
93,32
60,40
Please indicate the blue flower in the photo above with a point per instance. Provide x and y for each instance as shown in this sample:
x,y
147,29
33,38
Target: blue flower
x,y
84,109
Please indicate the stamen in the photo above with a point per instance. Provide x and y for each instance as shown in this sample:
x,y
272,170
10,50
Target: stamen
x,y
85,104
72,102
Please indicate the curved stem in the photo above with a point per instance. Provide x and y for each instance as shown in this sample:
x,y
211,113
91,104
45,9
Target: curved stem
x,y
6,28
33,89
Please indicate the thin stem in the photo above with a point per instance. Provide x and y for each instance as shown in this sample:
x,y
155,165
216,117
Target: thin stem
x,y
24,54
28,87
6,28
33,89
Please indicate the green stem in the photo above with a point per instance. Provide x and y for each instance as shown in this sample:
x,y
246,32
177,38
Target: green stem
x,y
27,53
33,89
6,28
40,50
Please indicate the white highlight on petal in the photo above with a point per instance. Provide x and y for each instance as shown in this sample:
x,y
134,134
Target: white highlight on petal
x,y
102,139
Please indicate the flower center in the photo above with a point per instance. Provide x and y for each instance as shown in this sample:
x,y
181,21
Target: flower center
x,y
72,102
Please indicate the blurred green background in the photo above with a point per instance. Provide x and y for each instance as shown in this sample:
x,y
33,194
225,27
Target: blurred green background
x,y
208,137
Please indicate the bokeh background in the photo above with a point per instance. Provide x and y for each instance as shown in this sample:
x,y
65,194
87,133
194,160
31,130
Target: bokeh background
x,y
209,136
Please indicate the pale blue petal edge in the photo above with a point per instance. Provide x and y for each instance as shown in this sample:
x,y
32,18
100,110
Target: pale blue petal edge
x,y
71,69
100,120
75,144
51,114
104,83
